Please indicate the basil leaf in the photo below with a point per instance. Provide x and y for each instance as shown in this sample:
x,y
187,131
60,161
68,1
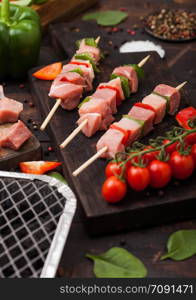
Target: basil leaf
x,y
57,176
84,101
181,245
77,70
86,56
117,263
107,18
124,84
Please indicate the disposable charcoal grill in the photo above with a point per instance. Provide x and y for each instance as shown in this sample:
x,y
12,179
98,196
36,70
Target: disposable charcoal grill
x,y
35,217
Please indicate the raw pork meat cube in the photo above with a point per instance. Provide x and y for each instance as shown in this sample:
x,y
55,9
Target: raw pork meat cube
x,y
93,125
145,115
130,73
9,110
14,136
172,93
159,105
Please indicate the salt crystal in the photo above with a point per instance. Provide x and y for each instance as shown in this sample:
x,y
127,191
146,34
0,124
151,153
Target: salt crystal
x,y
142,46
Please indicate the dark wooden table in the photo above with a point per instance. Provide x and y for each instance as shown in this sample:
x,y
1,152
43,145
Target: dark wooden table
x,y
147,244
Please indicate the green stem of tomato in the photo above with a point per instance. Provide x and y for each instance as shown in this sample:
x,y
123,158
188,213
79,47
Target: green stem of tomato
x,y
162,147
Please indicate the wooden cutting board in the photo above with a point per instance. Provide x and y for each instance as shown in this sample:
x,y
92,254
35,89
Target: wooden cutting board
x,y
53,10
30,150
137,209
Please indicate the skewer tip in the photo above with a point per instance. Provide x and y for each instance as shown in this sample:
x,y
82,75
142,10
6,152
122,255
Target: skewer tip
x,y
98,40
143,61
180,86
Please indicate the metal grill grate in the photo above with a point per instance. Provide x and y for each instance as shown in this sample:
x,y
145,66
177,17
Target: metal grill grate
x,y
29,215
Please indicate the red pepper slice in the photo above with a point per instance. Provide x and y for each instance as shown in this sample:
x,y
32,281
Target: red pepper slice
x,y
118,98
145,106
186,114
124,131
79,63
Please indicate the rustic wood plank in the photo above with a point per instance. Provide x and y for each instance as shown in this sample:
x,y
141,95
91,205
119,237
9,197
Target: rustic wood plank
x,y
136,210
52,10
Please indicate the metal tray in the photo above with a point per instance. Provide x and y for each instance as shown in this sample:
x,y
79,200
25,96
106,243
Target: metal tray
x,y
36,213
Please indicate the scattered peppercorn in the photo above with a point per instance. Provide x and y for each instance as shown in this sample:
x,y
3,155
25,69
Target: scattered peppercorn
x,y
122,8
50,149
110,43
21,86
169,24
29,121
147,194
31,104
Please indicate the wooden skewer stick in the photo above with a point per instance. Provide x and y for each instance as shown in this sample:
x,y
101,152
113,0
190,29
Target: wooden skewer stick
x,y
73,134
57,104
50,115
80,127
180,86
90,161
143,61
104,149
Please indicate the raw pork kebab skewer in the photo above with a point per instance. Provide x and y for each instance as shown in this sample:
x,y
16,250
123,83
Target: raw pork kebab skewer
x,y
96,112
14,135
137,123
76,77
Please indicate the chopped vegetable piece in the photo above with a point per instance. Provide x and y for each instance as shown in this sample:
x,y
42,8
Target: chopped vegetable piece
x,y
185,115
49,72
88,41
86,56
125,132
124,84
58,176
139,70
166,98
77,70
38,167
84,101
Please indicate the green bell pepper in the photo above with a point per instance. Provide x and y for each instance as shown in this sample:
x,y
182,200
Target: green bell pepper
x,y
20,38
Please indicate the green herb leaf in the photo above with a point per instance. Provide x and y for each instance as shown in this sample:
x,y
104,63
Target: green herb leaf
x,y
84,101
124,84
117,263
77,70
57,176
181,245
107,18
86,56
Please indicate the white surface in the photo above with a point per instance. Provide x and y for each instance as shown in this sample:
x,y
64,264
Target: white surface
x,y
142,46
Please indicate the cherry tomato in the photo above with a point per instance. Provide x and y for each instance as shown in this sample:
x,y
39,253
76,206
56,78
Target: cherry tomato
x,y
148,157
190,139
170,148
160,173
114,189
138,178
182,165
113,169
193,153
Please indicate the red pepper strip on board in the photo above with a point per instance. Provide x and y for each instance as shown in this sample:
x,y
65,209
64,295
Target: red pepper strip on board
x,y
38,167
186,114
124,131
118,98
